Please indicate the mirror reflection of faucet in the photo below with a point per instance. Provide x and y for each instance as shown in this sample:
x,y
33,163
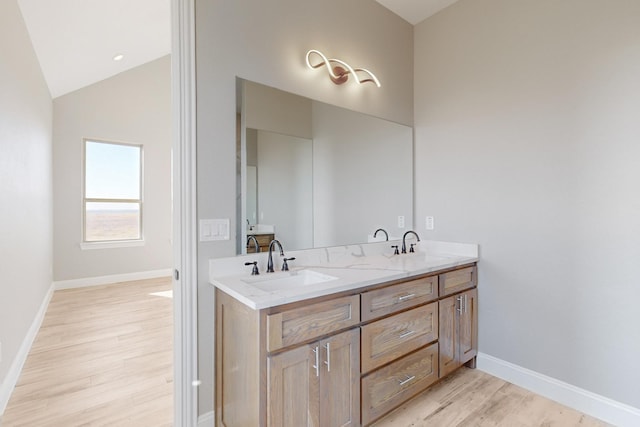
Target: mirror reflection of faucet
x,y
255,243
375,233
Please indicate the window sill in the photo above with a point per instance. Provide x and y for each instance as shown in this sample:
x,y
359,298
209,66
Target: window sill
x,y
111,245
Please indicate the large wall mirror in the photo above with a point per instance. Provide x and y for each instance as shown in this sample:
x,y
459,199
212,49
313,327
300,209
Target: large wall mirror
x,y
315,175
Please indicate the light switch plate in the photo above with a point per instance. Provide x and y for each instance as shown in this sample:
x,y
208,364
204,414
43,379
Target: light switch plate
x,y
214,229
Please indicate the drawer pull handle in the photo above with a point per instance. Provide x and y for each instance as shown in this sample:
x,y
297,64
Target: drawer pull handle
x,y
328,361
407,380
317,365
406,334
406,297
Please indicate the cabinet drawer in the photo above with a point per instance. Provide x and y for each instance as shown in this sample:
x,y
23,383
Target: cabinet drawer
x,y
307,322
381,302
393,337
458,280
390,386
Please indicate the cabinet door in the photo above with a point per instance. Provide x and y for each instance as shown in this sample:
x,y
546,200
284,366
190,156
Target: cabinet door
x,y
293,389
340,380
468,326
448,335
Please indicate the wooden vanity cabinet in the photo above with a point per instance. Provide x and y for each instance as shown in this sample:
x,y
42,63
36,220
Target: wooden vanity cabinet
x,y
346,359
458,336
294,365
317,384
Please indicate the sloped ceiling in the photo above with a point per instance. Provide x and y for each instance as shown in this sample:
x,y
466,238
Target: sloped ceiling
x,y
76,40
415,11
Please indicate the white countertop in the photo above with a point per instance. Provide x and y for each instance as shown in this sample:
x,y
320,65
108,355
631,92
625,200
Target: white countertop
x,y
344,268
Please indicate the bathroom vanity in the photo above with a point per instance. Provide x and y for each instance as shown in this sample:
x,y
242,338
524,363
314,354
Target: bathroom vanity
x,y
346,336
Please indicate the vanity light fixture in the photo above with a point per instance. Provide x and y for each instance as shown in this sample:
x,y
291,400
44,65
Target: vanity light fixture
x,y
339,70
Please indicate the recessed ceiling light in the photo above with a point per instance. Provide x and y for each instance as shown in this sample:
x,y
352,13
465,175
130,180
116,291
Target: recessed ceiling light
x,y
118,57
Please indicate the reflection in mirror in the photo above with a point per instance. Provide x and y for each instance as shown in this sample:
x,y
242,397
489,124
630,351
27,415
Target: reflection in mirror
x,y
315,175
283,187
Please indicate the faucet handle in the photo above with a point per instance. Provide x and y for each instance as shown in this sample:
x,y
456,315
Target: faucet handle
x,y
411,250
395,252
285,266
255,270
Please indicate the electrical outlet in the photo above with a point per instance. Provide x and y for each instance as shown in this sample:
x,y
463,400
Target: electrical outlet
x,y
401,221
429,223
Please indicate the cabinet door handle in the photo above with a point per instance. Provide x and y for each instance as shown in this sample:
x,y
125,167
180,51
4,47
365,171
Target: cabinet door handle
x,y
328,361
317,365
407,380
406,334
459,299
406,297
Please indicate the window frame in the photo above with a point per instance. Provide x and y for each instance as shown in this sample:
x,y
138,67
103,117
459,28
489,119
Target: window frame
x,y
98,244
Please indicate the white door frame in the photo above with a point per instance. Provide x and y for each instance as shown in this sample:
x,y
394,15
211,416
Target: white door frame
x,y
185,280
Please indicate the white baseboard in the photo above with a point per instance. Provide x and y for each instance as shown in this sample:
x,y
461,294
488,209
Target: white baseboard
x,y
10,381
601,407
114,278
207,420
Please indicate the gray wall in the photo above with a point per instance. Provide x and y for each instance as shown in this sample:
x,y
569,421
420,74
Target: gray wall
x,y
266,42
285,188
26,230
527,113
362,176
132,107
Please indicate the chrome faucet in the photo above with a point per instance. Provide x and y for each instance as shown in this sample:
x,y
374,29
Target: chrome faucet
x,y
383,230
270,260
404,245
255,243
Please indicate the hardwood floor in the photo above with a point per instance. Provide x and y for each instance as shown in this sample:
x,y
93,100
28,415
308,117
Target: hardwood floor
x,y
470,397
103,357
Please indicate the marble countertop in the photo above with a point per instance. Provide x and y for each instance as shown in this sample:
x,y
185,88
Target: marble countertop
x,y
339,268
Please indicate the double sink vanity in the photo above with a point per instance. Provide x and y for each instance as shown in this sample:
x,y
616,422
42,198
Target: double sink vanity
x,y
345,336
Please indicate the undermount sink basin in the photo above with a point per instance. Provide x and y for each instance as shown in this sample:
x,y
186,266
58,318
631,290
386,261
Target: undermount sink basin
x,y
287,280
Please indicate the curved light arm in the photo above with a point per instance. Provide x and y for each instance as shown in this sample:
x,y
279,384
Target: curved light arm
x,y
346,67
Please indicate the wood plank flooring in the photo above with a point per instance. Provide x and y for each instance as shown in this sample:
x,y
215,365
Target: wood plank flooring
x,y
103,357
470,397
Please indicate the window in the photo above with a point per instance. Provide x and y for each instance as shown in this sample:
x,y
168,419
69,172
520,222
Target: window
x,y
112,200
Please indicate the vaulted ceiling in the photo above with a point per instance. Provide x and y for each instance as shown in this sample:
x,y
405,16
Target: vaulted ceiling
x,y
76,41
